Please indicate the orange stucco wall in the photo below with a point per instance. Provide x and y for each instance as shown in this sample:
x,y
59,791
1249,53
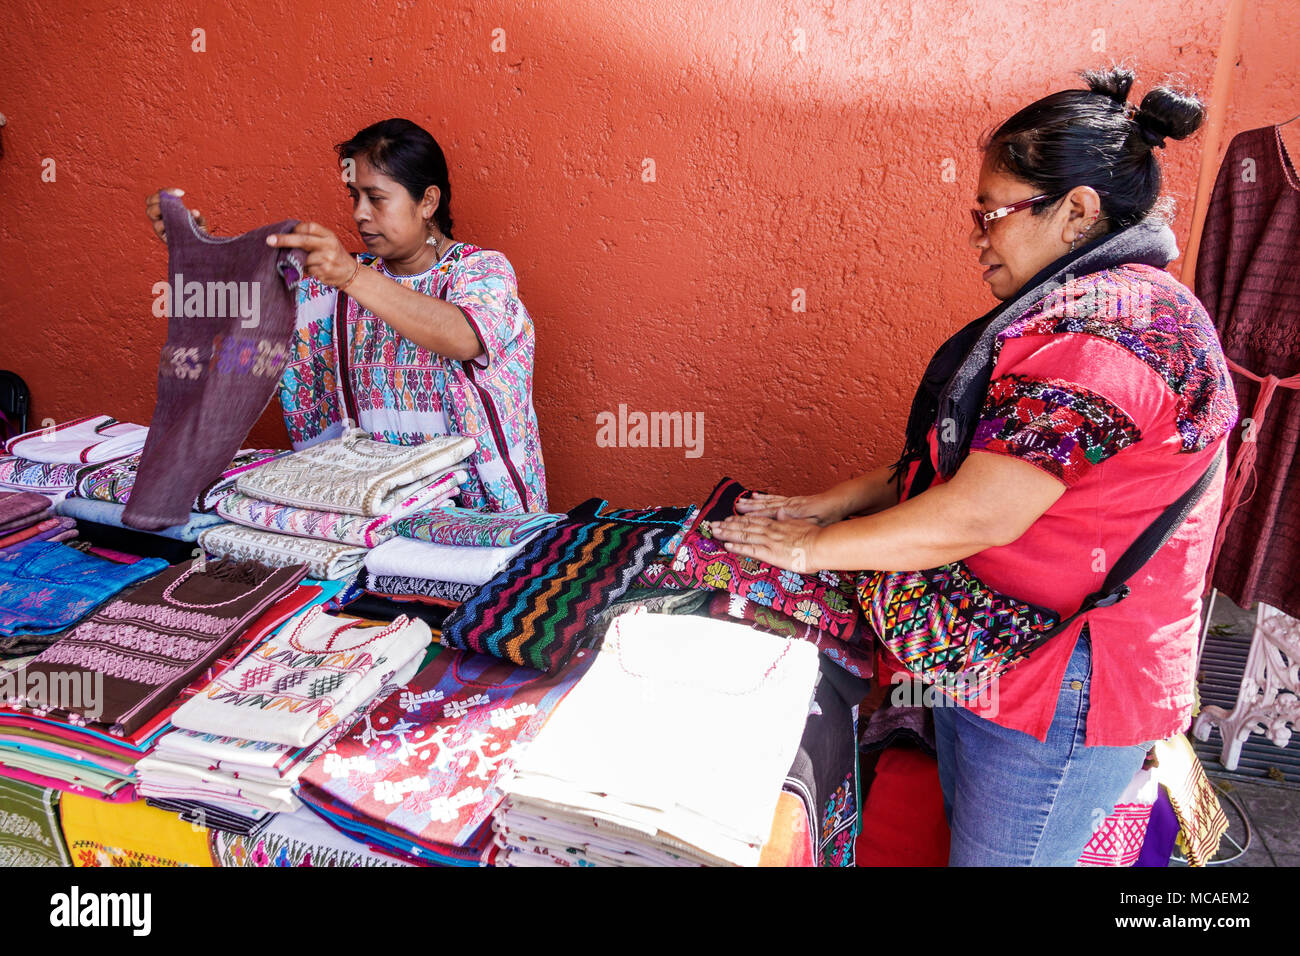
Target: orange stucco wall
x,y
824,147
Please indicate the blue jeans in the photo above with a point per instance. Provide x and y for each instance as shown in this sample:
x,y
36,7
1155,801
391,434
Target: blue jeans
x,y
1014,801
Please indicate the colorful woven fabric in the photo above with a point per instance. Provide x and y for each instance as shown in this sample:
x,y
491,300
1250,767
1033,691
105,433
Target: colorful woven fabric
x,y
537,610
354,474
824,774
826,600
349,363
1201,819
143,648
669,547
324,560
41,531
398,586
295,602
358,530
1118,841
429,760
305,679
47,587
947,626
660,574
29,826
855,654
114,480
466,528
130,834
1152,324
1059,426
38,476
296,839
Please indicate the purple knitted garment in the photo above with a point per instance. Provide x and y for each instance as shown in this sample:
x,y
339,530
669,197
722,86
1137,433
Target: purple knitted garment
x,y
231,305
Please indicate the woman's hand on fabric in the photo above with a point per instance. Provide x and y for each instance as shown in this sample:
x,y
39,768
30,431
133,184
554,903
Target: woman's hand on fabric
x,y
822,508
153,209
784,543
327,260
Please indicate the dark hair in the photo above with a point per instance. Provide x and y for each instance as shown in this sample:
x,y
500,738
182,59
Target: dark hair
x,y
1094,138
409,154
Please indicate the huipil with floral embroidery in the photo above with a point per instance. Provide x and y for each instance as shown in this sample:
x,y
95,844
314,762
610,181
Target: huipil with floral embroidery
x,y
403,393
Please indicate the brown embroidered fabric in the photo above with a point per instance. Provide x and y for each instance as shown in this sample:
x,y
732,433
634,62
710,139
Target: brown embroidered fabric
x,y
147,645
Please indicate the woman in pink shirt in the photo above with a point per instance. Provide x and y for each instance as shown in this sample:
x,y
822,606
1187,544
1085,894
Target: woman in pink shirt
x,y
1044,438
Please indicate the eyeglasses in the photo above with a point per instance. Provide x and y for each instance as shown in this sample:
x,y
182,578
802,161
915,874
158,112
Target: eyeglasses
x,y
982,219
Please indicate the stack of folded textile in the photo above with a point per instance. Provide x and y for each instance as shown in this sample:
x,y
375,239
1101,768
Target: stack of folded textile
x,y
671,751
49,461
540,608
422,774
327,505
242,742
26,516
216,816
441,556
96,700
101,493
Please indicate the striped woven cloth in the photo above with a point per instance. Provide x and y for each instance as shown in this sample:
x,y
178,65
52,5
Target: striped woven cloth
x,y
539,609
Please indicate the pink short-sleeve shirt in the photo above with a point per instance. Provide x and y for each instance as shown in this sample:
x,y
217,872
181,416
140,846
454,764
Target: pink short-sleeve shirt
x,y
1126,408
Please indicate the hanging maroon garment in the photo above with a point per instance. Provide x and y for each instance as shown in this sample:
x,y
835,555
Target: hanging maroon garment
x,y
1248,278
231,308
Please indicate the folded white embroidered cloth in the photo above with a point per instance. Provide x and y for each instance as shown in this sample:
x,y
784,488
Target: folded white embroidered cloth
x,y
355,474
306,678
325,560
406,557
81,441
679,738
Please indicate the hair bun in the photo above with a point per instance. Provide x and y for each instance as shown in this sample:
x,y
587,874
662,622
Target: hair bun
x,y
1167,111
1147,130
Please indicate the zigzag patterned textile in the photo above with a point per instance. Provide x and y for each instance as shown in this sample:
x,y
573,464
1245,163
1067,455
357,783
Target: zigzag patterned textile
x,y
949,628
536,610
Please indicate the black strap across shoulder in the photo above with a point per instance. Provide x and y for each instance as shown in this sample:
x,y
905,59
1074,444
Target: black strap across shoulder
x,y
1142,550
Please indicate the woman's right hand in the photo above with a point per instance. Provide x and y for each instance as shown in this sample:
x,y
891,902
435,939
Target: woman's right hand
x,y
822,508
153,209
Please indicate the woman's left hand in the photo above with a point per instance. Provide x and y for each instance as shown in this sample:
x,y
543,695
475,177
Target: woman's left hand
x,y
786,544
327,260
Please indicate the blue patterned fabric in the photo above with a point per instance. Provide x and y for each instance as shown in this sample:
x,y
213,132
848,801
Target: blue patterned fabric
x,y
47,587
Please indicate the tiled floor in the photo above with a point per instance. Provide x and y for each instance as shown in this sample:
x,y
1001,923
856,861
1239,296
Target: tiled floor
x,y
1272,808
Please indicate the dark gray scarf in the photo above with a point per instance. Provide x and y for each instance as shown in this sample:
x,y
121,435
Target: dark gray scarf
x,y
957,378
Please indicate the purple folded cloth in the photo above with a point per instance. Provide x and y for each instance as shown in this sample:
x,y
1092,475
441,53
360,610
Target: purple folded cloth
x,y
1162,833
65,530
41,531
18,509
